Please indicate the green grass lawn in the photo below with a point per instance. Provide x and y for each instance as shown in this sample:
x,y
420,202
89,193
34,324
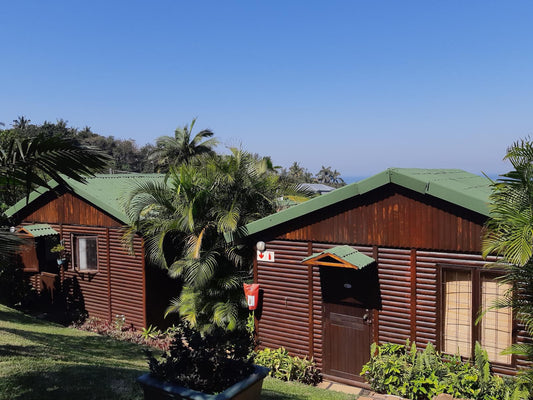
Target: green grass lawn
x,y
41,360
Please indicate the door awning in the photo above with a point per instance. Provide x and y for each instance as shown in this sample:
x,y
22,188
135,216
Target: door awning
x,y
340,256
39,230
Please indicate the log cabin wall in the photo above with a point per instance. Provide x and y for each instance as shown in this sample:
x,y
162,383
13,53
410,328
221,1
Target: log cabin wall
x,y
392,217
118,286
409,235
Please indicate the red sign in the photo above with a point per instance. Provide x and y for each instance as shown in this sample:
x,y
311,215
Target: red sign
x,y
251,291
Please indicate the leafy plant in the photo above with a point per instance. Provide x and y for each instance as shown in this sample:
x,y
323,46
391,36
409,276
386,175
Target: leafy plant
x,y
420,375
150,333
287,368
508,234
208,362
58,248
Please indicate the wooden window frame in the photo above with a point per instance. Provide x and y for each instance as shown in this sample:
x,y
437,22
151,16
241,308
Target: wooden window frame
x,y
75,253
475,273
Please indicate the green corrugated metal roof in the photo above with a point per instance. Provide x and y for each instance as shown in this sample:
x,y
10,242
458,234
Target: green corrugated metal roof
x,y
453,185
38,230
105,191
345,253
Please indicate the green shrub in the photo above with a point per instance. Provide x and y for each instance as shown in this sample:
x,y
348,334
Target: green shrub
x,y
209,362
287,368
420,375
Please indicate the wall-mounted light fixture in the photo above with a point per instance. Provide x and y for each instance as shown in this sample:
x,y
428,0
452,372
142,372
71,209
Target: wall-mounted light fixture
x,y
12,229
261,246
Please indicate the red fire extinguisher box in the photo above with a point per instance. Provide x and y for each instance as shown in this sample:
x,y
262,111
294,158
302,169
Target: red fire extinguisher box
x,y
251,291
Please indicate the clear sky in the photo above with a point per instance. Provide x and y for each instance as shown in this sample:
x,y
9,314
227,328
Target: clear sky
x,y
356,85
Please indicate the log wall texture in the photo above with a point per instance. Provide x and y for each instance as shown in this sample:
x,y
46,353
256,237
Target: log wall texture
x,y
411,236
396,218
68,209
118,286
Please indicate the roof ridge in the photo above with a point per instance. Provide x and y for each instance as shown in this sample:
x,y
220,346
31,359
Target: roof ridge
x,y
422,180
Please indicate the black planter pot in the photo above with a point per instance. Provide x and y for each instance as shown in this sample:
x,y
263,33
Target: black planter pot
x,y
247,389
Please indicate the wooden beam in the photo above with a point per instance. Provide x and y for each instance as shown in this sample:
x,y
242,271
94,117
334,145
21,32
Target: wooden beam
x,y
375,319
310,301
413,295
108,262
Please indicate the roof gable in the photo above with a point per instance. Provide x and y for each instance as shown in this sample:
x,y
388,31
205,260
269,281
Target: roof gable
x,y
105,191
455,186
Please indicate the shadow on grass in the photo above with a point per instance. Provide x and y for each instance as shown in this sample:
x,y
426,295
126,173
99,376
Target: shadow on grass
x,y
66,347
18,317
79,382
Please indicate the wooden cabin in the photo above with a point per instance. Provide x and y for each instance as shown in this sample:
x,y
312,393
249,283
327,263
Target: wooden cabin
x,y
88,219
393,257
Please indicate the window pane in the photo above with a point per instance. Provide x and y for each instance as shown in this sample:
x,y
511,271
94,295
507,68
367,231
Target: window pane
x,y
82,253
457,328
496,325
87,253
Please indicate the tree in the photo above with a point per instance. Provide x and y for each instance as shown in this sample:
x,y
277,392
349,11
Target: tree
x,y
32,162
297,174
21,122
184,222
509,235
27,162
328,176
175,150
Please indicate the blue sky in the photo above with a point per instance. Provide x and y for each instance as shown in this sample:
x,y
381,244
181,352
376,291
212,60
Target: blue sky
x,y
356,85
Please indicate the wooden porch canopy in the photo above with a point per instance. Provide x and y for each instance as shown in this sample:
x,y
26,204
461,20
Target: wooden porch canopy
x,y
340,256
39,230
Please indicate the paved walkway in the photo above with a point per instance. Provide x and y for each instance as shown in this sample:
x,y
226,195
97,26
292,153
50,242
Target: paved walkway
x,y
364,394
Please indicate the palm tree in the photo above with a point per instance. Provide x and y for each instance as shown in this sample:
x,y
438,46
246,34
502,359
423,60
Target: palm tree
x,y
184,222
21,122
30,162
181,148
328,176
509,235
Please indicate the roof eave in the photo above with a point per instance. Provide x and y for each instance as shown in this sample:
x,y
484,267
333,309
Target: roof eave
x,y
301,209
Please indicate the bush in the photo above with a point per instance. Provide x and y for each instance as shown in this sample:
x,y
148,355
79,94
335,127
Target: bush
x,y
283,366
118,330
404,371
14,288
208,362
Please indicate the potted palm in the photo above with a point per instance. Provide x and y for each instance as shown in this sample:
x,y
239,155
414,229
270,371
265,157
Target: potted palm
x,y
211,365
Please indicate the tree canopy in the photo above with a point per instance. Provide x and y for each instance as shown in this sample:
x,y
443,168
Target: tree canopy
x,y
184,222
509,235
170,151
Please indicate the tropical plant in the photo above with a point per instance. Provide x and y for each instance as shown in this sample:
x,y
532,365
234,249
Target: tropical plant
x,y
21,122
296,174
329,177
172,151
509,235
209,362
419,375
184,221
288,368
30,162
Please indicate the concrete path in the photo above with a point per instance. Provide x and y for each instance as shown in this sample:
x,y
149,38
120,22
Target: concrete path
x,y
364,394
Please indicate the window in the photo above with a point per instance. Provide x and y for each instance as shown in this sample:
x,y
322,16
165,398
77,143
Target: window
x,y
464,293
85,253
496,325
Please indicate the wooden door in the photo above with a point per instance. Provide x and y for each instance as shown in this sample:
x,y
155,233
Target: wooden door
x,y
347,339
